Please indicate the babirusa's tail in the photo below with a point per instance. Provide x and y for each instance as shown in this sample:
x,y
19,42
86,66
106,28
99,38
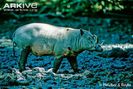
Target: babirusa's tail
x,y
14,45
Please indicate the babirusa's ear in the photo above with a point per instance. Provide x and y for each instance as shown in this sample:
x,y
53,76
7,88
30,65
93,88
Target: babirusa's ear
x,y
81,32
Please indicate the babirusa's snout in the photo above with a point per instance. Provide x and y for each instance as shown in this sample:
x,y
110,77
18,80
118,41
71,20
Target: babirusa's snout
x,y
98,48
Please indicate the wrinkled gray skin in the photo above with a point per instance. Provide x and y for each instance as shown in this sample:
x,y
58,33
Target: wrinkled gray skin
x,y
44,39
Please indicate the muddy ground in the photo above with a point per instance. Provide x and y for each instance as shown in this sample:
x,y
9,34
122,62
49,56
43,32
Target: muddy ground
x,y
110,69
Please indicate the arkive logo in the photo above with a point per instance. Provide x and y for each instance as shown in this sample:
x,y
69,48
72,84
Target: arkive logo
x,y
20,6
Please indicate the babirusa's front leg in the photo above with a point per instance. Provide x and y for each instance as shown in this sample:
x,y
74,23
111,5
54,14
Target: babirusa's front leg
x,y
23,58
73,62
56,64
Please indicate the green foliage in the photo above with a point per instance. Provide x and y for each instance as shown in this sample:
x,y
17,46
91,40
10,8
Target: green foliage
x,y
75,7
81,7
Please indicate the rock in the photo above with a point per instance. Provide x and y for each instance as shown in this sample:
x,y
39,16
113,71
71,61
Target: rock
x,y
38,69
39,75
20,78
50,71
118,66
27,72
22,81
88,74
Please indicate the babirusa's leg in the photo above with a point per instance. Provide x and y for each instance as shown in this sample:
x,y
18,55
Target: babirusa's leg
x,y
73,63
23,58
56,64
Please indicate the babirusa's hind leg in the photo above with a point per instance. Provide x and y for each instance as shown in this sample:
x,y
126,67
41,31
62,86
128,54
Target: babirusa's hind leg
x,y
56,64
23,58
73,62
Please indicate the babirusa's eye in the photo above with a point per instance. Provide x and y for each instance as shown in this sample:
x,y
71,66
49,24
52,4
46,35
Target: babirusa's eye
x,y
95,38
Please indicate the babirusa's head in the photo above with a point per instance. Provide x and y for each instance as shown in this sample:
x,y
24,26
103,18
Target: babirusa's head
x,y
89,41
